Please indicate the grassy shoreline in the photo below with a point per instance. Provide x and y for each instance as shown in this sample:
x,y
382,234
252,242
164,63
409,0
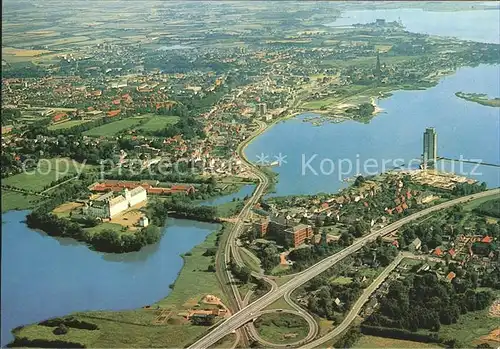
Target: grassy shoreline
x,y
137,327
479,98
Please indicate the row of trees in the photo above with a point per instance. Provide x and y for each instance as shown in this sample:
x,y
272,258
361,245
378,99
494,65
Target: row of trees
x,y
241,273
184,209
424,302
105,241
188,127
464,189
332,300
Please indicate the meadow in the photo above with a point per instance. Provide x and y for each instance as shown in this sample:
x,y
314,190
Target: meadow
x,y
281,328
380,342
144,123
113,128
136,328
156,123
18,201
67,124
47,171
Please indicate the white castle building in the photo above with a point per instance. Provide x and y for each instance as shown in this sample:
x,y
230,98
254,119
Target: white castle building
x,y
109,205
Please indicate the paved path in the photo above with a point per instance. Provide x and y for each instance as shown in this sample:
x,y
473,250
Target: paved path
x,y
242,317
351,315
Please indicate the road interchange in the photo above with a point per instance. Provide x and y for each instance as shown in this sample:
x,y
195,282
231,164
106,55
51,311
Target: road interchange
x,y
246,313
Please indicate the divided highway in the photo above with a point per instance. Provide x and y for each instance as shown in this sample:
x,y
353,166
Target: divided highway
x,y
246,314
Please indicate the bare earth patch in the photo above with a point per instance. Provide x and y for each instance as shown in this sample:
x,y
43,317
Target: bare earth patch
x,y
67,207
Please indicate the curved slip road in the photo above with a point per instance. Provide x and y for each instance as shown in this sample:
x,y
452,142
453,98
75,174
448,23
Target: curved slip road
x,y
310,335
351,315
245,314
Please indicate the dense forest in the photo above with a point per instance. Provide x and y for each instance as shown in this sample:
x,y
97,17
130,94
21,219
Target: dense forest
x,y
425,302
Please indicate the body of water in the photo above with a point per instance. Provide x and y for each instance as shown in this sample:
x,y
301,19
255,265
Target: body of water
x,y
464,129
43,277
475,25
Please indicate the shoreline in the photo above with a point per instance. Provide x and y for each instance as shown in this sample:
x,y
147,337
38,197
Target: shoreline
x,y
206,243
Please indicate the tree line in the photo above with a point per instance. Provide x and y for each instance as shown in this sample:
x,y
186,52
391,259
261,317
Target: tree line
x,y
105,241
425,302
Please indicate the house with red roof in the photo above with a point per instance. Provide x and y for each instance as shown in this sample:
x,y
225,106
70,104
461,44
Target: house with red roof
x,y
452,253
113,113
438,252
59,117
487,239
451,275
187,189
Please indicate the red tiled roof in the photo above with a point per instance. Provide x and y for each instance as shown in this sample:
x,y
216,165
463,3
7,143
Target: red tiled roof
x,y
112,113
487,239
451,275
58,116
438,252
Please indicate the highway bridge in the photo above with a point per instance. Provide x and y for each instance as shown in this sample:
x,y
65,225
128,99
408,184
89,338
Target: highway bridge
x,y
246,313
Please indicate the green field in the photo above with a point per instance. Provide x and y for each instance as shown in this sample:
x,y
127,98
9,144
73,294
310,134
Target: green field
x,y
225,343
229,209
67,124
250,260
475,203
317,104
135,328
341,280
279,304
113,128
47,171
380,342
17,201
107,226
281,328
470,327
157,123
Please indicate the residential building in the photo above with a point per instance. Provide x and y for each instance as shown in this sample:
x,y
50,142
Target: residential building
x,y
429,146
298,234
262,109
415,245
260,227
